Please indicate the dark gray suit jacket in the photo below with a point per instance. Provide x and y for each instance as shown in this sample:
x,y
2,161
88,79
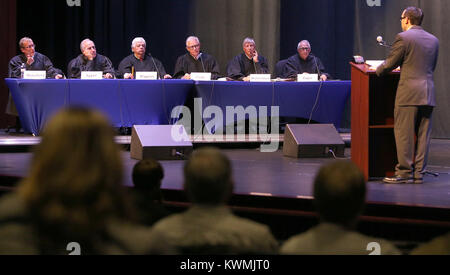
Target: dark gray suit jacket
x,y
416,51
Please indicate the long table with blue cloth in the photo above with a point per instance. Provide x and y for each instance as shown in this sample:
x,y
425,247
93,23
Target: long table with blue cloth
x,y
324,102
151,102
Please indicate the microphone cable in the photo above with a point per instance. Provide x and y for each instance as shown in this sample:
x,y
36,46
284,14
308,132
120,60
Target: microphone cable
x,y
318,92
156,68
164,90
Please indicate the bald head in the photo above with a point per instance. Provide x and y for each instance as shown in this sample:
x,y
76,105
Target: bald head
x,y
88,49
304,49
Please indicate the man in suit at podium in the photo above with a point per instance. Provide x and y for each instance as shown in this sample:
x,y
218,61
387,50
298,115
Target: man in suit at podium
x,y
416,51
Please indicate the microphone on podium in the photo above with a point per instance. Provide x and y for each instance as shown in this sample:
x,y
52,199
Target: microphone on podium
x,y
381,42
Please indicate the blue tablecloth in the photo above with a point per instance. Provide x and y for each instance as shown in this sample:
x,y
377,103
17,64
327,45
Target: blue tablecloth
x,y
125,102
295,99
132,102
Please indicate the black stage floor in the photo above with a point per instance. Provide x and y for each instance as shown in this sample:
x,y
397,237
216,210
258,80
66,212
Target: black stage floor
x,y
272,174
275,189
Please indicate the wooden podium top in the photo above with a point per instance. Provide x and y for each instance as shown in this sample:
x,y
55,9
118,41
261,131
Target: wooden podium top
x,y
365,69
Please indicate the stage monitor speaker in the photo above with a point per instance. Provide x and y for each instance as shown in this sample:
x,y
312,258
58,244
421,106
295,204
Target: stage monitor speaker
x,y
160,142
312,141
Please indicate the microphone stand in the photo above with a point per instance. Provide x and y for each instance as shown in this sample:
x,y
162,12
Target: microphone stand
x,y
156,68
203,64
254,65
384,44
317,67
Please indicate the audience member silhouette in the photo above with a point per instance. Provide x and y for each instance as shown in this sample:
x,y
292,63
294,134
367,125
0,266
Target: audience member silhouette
x,y
208,226
438,246
147,177
73,193
340,193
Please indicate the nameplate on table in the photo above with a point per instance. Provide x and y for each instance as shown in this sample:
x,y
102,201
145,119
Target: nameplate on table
x,y
35,75
201,76
92,75
147,75
308,78
260,78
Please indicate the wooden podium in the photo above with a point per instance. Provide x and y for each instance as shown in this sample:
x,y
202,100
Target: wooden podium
x,y
373,141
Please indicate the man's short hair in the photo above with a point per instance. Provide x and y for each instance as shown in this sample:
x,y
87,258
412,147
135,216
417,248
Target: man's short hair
x,y
339,192
147,174
208,177
23,40
137,40
192,38
248,40
415,15
303,42
84,42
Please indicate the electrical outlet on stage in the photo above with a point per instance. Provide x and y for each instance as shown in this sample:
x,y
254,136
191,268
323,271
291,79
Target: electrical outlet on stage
x,y
73,3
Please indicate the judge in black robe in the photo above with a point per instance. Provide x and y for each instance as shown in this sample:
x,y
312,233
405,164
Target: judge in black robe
x,y
195,61
41,63
31,61
139,61
304,62
90,61
247,63
146,64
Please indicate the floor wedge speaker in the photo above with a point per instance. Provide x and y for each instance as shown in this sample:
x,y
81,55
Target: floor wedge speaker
x,y
160,142
312,141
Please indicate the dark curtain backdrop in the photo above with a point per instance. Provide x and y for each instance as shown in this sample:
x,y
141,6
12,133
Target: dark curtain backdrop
x,y
57,29
336,29
327,24
165,24
222,26
385,21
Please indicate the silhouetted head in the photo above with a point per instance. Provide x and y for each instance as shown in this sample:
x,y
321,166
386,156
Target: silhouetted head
x,y
208,177
75,182
340,192
147,175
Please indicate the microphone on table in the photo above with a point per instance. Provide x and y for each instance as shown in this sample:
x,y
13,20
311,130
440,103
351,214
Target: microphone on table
x,y
201,59
317,67
254,65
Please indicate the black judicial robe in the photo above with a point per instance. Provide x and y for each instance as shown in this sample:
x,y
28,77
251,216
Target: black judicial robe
x,y
146,65
41,63
186,64
296,65
240,67
82,64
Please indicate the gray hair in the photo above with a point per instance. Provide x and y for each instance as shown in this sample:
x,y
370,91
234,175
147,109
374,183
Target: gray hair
x,y
23,40
192,38
248,40
303,42
137,40
84,42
